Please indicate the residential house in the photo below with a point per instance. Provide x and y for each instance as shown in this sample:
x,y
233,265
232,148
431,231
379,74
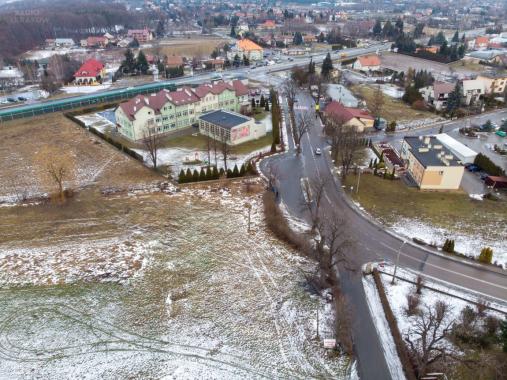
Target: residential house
x,y
230,127
473,90
431,165
169,111
478,43
483,56
174,61
60,43
267,25
91,72
494,83
95,42
11,77
141,35
367,63
348,116
248,48
437,94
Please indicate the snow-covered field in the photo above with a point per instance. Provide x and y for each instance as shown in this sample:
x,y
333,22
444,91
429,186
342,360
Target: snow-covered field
x,y
397,296
41,54
210,301
85,89
464,243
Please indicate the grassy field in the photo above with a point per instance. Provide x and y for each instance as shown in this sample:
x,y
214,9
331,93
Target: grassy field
x,y
388,200
187,47
435,216
393,109
471,66
91,161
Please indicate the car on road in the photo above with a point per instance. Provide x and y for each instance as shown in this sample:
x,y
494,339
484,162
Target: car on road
x,y
472,168
318,152
22,99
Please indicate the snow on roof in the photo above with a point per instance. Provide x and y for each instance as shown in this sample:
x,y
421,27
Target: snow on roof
x,y
455,146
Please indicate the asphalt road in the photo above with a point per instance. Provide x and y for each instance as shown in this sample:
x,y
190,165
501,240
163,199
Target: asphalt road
x,y
371,242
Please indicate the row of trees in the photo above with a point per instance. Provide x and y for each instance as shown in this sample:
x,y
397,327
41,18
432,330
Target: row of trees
x,y
276,119
134,65
212,173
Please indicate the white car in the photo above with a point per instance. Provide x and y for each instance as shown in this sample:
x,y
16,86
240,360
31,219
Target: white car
x,y
318,152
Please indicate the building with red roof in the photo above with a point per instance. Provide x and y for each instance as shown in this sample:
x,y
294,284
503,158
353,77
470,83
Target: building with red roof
x,y
348,116
168,111
367,63
91,72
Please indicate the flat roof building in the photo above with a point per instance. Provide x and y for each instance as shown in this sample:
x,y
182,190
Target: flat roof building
x,y
430,164
230,127
464,153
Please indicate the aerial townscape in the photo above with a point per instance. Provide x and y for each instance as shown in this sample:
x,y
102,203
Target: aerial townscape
x,y
272,189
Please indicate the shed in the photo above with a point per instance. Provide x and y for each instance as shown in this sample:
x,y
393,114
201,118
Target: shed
x,y
496,182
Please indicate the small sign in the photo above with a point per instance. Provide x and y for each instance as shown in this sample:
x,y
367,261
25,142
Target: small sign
x,y
329,343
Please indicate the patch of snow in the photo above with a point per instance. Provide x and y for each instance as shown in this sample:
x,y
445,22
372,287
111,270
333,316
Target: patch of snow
x,y
85,89
383,330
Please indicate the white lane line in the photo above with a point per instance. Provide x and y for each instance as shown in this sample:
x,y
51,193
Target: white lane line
x,y
444,269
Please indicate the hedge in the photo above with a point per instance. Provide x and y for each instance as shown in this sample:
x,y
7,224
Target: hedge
x,y
401,348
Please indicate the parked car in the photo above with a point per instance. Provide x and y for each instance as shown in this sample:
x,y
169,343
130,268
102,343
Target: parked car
x,y
318,152
22,99
473,168
11,100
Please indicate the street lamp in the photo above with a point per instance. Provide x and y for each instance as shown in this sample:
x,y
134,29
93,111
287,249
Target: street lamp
x,y
397,261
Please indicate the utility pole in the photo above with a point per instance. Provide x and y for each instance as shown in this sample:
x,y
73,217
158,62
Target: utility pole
x,y
248,206
397,261
358,179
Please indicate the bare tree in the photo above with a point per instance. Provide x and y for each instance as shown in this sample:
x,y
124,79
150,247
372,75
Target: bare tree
x,y
224,147
345,143
314,193
151,142
378,102
58,167
426,339
300,128
290,90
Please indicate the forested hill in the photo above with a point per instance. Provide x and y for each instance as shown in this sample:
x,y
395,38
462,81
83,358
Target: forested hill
x,y
25,25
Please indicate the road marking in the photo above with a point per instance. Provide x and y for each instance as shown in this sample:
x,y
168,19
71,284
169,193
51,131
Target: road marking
x,y
444,269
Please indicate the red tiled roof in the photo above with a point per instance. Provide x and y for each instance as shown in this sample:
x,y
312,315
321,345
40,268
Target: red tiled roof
x,y
96,40
91,68
369,60
184,95
174,61
338,110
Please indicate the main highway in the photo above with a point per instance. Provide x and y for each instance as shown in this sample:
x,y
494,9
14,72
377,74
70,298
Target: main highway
x,y
123,93
371,242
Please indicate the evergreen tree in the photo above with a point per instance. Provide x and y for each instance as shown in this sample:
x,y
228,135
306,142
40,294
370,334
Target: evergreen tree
x,y
229,173
202,175
253,104
209,173
454,99
440,38
377,28
327,66
242,171
262,102
246,61
398,26
388,30
129,63
142,63
311,67
236,61
188,176
233,31
455,38
298,39
266,106
215,174
181,177
503,334
235,171
160,28
222,172
195,176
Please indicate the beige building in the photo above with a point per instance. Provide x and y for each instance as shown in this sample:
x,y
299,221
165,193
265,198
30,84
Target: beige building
x,y
431,165
169,111
246,48
230,127
494,83
354,117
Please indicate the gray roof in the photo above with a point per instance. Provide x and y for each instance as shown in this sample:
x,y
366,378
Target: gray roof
x,y
224,119
431,156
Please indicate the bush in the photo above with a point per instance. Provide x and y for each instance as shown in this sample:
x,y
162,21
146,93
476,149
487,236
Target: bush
x,y
486,255
182,178
413,302
448,246
488,166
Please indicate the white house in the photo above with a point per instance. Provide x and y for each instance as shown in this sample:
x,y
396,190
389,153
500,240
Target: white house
x,y
11,77
367,63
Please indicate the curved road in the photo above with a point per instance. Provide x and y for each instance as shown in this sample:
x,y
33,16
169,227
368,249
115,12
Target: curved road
x,y
372,242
